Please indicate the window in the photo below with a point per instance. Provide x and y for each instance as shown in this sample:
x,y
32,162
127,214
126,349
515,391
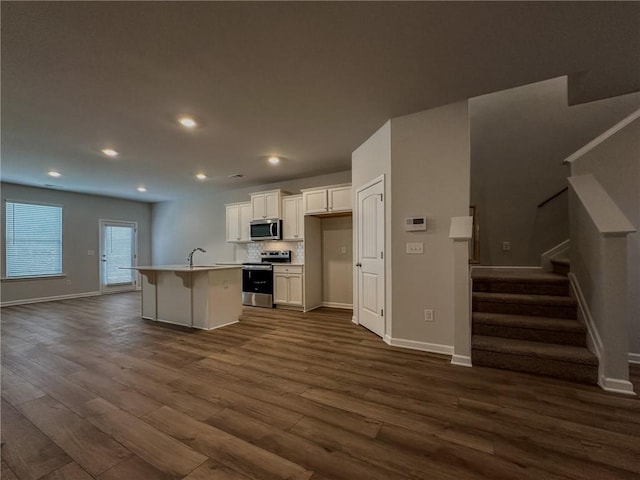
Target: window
x,y
34,239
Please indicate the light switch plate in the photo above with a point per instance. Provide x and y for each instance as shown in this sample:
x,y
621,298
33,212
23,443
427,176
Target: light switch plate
x,y
415,248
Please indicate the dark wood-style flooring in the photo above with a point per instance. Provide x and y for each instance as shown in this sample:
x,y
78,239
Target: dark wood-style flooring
x,y
90,390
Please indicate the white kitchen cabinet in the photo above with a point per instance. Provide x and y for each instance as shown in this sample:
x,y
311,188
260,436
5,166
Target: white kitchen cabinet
x,y
288,285
292,218
314,201
238,218
266,205
327,200
339,199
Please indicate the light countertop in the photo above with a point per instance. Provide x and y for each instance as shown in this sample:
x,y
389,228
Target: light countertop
x,y
185,268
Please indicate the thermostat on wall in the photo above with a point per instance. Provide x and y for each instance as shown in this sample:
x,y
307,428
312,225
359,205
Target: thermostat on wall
x,y
415,224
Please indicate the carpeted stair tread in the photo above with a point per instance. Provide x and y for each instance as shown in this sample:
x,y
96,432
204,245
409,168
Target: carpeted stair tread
x,y
561,266
525,320
528,321
519,298
523,348
516,276
556,306
522,281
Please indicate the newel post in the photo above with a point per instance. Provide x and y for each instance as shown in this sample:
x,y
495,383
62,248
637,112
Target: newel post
x,y
461,232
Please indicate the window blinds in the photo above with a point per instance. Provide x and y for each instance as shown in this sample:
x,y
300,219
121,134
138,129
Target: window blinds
x,y
34,239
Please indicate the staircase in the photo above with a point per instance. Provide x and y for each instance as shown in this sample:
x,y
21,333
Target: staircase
x,y
525,320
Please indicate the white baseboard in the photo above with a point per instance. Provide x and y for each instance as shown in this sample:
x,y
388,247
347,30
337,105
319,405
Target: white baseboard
x,y
593,337
594,341
461,360
504,267
616,385
54,298
347,306
159,320
168,322
309,308
219,326
355,320
422,346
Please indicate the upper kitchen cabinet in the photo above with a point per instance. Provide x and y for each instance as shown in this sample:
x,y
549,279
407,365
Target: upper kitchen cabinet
x,y
266,204
326,200
238,218
292,218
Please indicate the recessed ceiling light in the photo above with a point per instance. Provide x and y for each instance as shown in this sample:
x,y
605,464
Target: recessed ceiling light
x,y
53,173
109,152
274,160
142,189
187,122
201,176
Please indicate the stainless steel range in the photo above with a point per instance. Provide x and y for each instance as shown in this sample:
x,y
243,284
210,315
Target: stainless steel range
x,y
257,278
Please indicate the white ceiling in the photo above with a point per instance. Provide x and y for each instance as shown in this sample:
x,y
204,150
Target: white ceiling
x,y
308,81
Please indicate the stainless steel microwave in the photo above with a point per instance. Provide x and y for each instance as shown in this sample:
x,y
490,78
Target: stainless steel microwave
x,y
266,229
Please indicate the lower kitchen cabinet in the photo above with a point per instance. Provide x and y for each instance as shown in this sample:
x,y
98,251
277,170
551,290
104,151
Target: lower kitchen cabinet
x,y
288,285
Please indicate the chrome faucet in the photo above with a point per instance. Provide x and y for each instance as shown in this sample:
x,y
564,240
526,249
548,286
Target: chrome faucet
x,y
190,256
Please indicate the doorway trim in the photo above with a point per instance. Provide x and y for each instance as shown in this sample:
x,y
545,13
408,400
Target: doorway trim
x,y
387,256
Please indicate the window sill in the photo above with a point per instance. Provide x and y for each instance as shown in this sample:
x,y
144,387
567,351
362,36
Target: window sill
x,y
34,277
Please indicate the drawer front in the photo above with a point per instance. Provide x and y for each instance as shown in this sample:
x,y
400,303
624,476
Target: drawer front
x,y
288,269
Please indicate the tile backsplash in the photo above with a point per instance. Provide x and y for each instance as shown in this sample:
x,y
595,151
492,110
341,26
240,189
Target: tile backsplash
x,y
254,250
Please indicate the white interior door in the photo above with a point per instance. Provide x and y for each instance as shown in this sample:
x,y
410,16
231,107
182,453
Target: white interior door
x,y
118,246
370,257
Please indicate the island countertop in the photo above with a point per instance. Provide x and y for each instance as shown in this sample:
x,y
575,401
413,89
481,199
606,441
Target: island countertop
x,y
204,296
184,268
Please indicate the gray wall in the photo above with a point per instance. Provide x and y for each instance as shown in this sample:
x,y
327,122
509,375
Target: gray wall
x,y
369,161
80,224
199,221
337,267
430,176
519,138
425,160
616,165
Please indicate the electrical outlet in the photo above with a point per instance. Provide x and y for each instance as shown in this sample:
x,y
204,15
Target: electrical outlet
x,y
67,282
506,246
343,249
428,315
91,252
415,248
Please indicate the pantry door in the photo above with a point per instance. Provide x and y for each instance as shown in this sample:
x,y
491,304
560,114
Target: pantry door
x,y
370,256
118,247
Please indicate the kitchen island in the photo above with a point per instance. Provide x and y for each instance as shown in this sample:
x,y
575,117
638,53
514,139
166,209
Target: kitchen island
x,y
205,297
